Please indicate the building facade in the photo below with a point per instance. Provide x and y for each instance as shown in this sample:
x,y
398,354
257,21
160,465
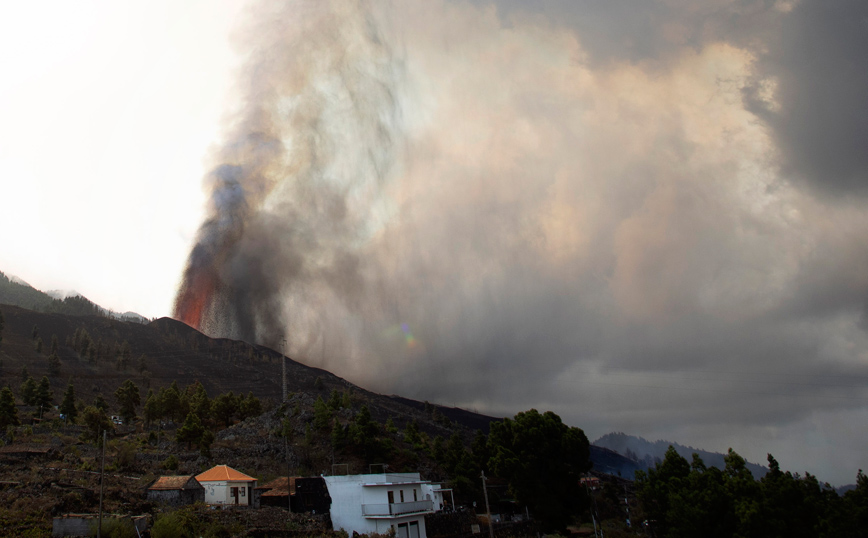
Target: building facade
x,y
379,503
175,490
226,486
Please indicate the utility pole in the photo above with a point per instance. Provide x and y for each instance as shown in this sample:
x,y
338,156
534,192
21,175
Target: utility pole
x,y
283,362
487,508
101,487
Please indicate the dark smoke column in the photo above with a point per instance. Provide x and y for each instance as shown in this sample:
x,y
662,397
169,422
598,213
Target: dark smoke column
x,y
292,193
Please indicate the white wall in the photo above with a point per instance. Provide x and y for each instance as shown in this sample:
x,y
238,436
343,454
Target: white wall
x,y
219,492
348,495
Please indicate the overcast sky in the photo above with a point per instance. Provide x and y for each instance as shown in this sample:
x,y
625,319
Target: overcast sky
x,y
648,217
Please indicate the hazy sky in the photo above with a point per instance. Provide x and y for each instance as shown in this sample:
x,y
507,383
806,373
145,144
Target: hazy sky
x,y
647,217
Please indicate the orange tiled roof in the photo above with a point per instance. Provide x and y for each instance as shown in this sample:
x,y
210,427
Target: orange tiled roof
x,y
218,473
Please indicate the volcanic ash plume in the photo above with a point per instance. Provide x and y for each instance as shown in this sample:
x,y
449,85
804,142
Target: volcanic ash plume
x,y
501,207
293,190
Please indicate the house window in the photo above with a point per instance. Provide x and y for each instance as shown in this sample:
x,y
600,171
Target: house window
x,y
391,497
415,497
242,491
402,495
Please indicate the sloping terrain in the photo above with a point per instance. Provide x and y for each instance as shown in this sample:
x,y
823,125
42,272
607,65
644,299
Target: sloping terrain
x,y
166,350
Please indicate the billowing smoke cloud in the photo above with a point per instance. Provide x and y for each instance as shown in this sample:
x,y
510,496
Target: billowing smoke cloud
x,y
297,186
505,205
815,69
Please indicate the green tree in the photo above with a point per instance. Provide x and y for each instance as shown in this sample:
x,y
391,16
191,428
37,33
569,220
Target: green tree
x,y
250,407
54,344
34,334
28,391
224,407
44,394
67,406
322,415
191,432
411,433
8,411
128,398
37,344
543,459
339,436
170,399
198,402
100,403
334,400
95,421
153,409
390,426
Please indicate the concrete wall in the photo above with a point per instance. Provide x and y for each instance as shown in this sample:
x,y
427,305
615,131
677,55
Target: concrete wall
x,y
85,524
177,497
221,493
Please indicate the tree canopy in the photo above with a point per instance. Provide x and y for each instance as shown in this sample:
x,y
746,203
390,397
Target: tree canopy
x,y
543,459
686,500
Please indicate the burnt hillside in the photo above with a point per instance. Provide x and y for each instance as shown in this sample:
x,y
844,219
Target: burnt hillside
x,y
156,354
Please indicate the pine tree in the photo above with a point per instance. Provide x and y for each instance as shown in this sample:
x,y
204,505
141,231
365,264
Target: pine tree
x,y
44,394
322,416
54,343
128,399
28,391
67,406
100,403
191,432
152,409
8,411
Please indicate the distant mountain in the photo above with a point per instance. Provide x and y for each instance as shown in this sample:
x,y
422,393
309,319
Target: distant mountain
x,y
16,291
645,454
62,294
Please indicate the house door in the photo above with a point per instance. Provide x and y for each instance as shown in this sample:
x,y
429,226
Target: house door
x,y
233,492
414,529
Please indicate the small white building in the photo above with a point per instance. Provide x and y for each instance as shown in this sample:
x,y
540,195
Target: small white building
x,y
226,486
438,495
367,503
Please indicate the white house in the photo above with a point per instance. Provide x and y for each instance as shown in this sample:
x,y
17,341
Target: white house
x,y
226,486
437,494
367,503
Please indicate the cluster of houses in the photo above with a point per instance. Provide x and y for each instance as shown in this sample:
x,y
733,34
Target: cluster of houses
x,y
363,503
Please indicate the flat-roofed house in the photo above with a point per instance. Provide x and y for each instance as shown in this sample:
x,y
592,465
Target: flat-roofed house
x,y
226,486
381,503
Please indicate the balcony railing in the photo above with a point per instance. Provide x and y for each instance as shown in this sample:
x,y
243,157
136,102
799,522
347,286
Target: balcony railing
x,y
397,509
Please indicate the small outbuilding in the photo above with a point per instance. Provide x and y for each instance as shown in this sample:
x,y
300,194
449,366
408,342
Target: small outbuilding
x,y
175,490
226,486
298,494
